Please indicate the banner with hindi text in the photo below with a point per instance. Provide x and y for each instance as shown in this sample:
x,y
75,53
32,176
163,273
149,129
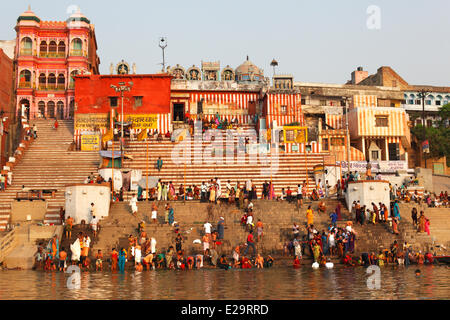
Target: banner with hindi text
x,y
143,121
91,121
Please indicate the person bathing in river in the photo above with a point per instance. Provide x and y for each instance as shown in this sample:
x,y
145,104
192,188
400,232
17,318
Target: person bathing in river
x,y
296,262
259,262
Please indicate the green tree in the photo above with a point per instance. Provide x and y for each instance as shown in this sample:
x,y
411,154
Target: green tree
x,y
438,137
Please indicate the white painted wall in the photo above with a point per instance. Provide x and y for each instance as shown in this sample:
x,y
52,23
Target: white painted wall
x,y
368,191
80,197
106,173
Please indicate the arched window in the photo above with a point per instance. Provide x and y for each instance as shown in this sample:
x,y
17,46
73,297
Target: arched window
x,y
41,109
51,82
61,82
71,109
51,109
25,79
52,48
77,47
24,109
26,47
60,110
43,49
61,49
42,81
72,80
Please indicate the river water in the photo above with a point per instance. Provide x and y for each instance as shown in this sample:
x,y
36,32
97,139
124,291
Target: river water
x,y
276,283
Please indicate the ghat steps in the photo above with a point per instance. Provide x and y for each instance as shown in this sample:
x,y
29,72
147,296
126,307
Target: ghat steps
x,y
195,166
47,164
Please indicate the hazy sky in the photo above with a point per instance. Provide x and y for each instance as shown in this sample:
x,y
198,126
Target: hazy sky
x,y
316,41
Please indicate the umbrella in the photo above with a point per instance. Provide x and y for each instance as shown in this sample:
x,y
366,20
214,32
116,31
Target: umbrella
x,y
152,182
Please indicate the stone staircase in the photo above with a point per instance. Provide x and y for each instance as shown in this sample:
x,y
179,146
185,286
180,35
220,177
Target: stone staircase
x,y
277,218
47,164
374,237
292,168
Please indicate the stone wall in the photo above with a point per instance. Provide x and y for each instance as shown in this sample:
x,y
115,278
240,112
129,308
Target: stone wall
x,y
26,210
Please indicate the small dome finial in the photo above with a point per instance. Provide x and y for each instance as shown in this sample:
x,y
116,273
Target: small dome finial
x,y
29,7
247,57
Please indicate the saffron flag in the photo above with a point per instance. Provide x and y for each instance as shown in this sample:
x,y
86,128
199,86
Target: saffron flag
x,y
142,135
108,136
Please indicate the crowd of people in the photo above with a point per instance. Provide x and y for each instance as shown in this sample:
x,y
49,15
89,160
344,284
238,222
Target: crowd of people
x,y
143,254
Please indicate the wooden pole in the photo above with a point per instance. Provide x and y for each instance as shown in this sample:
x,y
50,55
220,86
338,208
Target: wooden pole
x,y
184,184
146,181
112,167
306,169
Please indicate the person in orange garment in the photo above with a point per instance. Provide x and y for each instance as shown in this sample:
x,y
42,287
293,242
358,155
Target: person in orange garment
x,y
114,259
309,216
322,207
296,262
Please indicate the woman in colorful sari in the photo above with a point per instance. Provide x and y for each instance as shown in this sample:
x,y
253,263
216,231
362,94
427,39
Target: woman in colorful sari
x,y
395,225
338,211
212,194
351,242
316,252
421,222
271,192
427,226
171,191
55,248
122,258
171,217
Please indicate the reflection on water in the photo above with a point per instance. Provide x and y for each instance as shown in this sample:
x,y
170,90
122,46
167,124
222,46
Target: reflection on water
x,y
275,283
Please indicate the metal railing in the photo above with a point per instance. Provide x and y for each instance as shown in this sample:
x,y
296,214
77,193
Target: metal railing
x,y
52,54
26,52
7,243
52,87
24,85
76,53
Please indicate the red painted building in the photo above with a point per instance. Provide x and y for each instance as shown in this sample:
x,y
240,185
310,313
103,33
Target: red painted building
x,y
146,104
6,102
48,55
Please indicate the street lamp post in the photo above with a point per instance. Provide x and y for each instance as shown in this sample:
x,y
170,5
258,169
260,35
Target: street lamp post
x,y
163,45
122,87
423,94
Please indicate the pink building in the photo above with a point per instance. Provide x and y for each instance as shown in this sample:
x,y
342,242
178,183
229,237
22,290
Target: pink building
x,y
48,55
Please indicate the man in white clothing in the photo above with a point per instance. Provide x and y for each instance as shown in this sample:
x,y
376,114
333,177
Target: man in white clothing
x,y
207,226
133,205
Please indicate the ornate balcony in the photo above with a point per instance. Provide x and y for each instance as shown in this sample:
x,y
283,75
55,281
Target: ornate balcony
x,y
24,85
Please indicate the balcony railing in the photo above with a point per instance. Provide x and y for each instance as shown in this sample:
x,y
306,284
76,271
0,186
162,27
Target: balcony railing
x,y
52,87
26,52
24,85
52,54
76,53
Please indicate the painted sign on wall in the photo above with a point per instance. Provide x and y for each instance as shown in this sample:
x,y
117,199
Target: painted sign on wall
x,y
377,166
143,121
90,142
91,121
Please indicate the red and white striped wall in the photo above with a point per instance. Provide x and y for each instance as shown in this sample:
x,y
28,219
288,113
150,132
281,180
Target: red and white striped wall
x,y
364,101
230,104
335,121
275,102
397,122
